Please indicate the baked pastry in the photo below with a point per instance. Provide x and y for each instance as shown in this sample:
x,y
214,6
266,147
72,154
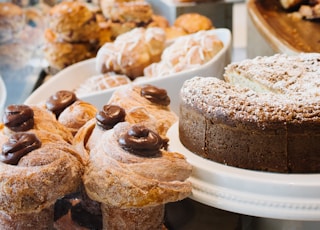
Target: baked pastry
x,y
62,54
37,168
158,21
90,134
132,176
289,4
186,53
145,104
193,22
72,21
137,11
11,21
77,114
21,118
264,117
70,111
131,52
173,32
101,82
310,12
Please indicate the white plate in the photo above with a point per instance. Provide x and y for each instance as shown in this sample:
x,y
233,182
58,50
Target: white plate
x,y
253,193
72,76
3,95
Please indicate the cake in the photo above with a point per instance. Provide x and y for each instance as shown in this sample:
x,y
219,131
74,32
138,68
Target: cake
x,y
264,116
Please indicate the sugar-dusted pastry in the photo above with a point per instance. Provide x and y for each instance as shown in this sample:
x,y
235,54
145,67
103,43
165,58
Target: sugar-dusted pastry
x,y
77,114
137,11
145,104
193,22
131,52
36,169
90,134
20,118
101,82
185,53
133,177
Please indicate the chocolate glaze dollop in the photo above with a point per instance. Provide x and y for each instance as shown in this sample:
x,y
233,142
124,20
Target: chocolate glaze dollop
x,y
57,102
155,95
141,141
18,118
17,146
109,116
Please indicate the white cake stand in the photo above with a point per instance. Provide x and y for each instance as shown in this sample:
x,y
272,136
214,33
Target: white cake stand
x,y
261,194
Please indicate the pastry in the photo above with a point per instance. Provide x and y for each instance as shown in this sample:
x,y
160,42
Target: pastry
x,y
101,82
264,116
289,4
145,104
173,32
159,21
77,114
193,22
72,21
137,11
21,118
131,52
70,111
133,177
37,168
12,21
62,54
90,134
185,53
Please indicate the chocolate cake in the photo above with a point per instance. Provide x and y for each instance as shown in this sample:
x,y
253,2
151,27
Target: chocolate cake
x,y
265,116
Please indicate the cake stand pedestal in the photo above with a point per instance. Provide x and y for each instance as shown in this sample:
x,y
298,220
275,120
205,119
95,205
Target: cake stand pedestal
x,y
293,198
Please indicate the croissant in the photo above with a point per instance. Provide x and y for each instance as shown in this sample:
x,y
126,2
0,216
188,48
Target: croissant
x,y
36,168
132,176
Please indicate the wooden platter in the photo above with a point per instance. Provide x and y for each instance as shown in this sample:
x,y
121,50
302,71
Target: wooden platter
x,y
282,30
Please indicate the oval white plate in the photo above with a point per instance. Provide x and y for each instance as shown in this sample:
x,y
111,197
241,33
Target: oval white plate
x,y
3,95
262,194
72,76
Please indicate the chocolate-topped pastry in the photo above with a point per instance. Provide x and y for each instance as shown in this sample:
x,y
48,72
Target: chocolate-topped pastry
x,y
110,116
36,168
18,118
141,141
18,145
21,118
145,104
143,182
155,95
59,101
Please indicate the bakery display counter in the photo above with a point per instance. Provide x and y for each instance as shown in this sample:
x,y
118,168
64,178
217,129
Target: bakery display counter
x,y
273,30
